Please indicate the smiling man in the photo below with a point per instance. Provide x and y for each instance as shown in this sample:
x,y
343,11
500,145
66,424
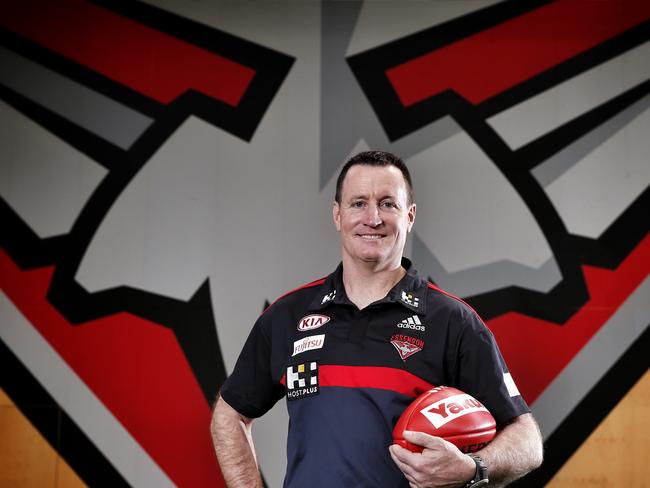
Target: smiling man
x,y
351,351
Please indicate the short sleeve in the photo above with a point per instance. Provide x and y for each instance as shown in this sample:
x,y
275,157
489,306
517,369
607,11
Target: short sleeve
x,y
481,371
250,389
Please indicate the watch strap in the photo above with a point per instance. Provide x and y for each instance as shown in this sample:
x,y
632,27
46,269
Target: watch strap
x,y
480,475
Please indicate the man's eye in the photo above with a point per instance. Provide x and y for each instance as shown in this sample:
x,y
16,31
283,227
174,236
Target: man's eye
x,y
389,204
357,204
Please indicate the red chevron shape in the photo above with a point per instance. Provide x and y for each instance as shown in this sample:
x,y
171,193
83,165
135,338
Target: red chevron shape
x,y
537,351
136,368
150,62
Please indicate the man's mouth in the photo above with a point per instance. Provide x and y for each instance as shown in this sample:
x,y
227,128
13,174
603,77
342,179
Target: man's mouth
x,y
371,237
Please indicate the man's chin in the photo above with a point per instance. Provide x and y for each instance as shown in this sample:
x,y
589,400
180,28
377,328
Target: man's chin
x,y
373,258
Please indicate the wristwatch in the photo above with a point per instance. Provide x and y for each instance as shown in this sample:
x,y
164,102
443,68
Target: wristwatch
x,y
481,476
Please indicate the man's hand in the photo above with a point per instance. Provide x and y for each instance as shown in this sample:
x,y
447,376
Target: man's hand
x,y
516,450
441,464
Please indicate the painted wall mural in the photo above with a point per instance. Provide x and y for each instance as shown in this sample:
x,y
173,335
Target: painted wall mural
x,y
167,169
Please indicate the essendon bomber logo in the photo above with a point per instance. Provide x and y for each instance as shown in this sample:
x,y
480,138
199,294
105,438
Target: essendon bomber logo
x,y
540,160
406,346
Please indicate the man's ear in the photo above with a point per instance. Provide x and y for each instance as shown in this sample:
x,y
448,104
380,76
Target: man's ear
x,y
411,216
336,215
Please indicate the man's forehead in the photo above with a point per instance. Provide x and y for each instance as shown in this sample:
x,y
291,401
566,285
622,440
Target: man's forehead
x,y
363,180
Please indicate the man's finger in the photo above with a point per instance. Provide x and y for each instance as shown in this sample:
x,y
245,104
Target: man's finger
x,y
422,439
402,461
403,455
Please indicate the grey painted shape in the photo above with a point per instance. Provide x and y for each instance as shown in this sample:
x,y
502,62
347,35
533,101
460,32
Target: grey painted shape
x,y
78,401
484,278
555,166
406,18
46,181
597,190
469,215
160,227
73,101
594,360
344,112
348,123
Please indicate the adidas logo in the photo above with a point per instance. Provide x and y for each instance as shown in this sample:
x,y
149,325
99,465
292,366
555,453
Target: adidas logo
x,y
411,323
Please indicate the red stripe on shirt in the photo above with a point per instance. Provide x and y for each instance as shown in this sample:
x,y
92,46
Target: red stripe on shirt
x,y
379,377
302,287
434,287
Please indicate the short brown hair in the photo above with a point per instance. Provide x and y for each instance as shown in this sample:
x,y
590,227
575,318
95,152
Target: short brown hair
x,y
374,158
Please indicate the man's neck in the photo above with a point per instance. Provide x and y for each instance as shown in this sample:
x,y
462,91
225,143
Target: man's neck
x,y
366,283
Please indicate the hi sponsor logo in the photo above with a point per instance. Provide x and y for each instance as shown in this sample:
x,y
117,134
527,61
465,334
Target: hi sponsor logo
x,y
410,299
413,323
406,345
311,322
451,408
308,343
302,380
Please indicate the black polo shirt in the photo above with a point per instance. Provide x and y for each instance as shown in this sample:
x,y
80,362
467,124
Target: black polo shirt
x,y
348,374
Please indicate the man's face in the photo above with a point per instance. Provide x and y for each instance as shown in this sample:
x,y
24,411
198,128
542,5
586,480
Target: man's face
x,y
374,215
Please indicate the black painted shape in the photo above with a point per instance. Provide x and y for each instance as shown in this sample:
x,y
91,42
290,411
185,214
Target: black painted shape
x,y
591,411
23,245
55,425
618,241
536,152
570,251
566,297
196,333
96,148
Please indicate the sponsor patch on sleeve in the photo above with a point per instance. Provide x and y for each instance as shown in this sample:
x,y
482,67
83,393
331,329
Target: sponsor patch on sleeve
x,y
510,385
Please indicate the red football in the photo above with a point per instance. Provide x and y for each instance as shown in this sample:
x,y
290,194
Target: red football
x,y
448,413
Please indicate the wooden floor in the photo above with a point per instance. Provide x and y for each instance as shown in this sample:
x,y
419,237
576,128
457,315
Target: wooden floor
x,y
26,459
617,453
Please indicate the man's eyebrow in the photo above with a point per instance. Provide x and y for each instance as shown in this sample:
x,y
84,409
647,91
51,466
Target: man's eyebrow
x,y
387,196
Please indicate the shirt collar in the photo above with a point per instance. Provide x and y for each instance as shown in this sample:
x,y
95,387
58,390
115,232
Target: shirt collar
x,y
410,291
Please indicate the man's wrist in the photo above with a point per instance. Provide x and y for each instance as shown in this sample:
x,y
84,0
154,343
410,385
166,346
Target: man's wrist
x,y
480,474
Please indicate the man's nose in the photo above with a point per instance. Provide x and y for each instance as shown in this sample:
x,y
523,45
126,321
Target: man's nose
x,y
372,217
